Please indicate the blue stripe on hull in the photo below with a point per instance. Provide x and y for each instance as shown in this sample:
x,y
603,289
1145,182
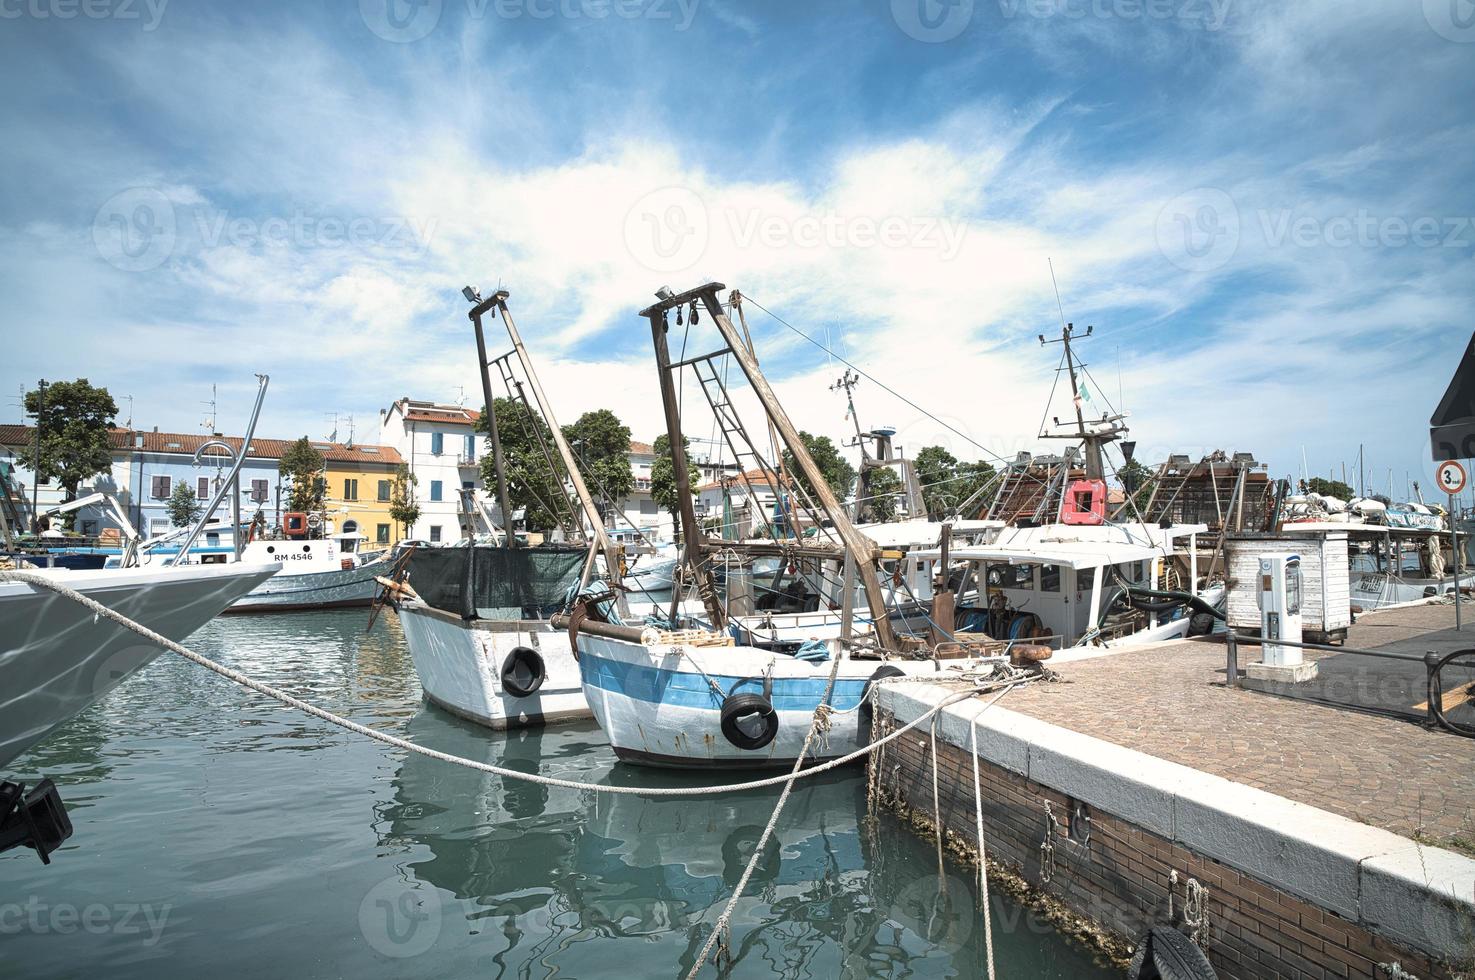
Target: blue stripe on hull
x,y
658,686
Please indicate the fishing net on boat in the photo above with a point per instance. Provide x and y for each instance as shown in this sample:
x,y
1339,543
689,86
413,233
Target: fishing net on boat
x,y
496,583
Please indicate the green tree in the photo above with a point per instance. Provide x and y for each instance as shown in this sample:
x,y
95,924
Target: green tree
x,y
183,506
601,445
1136,480
403,508
1329,488
663,489
948,483
74,418
533,485
835,468
882,487
304,466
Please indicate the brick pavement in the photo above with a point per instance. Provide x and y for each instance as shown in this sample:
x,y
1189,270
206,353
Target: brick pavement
x,y
1171,702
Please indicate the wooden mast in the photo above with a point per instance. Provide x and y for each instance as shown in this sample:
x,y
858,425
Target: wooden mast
x,y
855,542
476,314
691,530
591,511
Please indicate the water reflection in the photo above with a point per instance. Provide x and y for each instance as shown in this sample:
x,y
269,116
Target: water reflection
x,y
574,880
258,828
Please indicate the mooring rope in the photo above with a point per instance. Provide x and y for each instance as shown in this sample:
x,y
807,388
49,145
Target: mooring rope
x,y
988,932
820,726
98,609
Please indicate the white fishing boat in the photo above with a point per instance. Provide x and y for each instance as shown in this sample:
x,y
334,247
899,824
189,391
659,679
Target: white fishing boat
x,y
322,573
57,658
496,661
475,620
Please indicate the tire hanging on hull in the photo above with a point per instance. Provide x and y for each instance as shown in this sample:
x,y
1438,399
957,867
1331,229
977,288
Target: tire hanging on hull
x,y
523,672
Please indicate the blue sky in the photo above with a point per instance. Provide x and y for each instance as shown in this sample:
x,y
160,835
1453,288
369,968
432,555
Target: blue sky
x,y
1263,208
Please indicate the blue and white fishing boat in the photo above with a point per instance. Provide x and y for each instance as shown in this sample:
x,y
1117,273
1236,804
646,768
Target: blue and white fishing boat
x,y
709,692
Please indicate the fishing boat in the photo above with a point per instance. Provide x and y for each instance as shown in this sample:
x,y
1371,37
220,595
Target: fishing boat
x,y
57,658
705,693
476,616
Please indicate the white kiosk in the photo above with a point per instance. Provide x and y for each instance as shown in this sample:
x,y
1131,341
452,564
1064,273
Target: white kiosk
x,y
1279,598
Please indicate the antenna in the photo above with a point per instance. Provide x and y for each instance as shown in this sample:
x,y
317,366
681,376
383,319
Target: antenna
x,y
209,424
1058,305
847,383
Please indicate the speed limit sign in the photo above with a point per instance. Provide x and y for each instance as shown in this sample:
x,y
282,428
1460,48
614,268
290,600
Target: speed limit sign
x,y
1451,476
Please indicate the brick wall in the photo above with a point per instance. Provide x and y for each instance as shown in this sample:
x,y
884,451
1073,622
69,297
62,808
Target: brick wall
x,y
1118,875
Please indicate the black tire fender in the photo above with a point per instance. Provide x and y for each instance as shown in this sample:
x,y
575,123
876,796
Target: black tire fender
x,y
1164,953
523,672
866,709
740,711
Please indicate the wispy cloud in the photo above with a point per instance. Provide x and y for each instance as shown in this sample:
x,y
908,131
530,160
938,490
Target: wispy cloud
x,y
1241,209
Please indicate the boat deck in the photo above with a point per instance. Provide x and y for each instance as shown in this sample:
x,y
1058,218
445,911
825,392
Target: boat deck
x,y
1170,701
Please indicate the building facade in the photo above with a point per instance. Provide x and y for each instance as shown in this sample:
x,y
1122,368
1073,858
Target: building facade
x,y
440,445
148,466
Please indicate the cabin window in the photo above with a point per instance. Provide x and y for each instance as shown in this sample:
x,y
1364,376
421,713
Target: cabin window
x,y
437,443
202,488
383,491
350,489
161,487
381,533
435,490
434,533
89,528
1049,578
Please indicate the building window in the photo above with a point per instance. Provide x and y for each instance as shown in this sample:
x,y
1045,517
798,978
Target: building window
x,y
383,491
435,491
381,533
202,488
437,443
470,448
258,491
161,487
434,533
468,485
648,507
350,489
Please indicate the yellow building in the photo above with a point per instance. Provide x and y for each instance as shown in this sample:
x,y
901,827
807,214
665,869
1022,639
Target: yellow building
x,y
359,481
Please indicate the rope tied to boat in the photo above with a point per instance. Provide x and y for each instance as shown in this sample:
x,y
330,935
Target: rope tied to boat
x,y
99,610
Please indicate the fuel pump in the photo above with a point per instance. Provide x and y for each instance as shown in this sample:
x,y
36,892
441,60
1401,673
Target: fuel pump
x,y
1279,599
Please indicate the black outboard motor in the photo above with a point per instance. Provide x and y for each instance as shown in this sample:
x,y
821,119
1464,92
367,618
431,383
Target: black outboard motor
x,y
37,819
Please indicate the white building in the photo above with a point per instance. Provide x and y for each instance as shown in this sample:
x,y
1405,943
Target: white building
x,y
443,450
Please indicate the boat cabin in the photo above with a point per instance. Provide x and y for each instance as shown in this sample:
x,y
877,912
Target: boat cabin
x,y
1058,583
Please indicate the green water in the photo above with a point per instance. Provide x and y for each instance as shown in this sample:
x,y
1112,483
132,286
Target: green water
x,y
217,834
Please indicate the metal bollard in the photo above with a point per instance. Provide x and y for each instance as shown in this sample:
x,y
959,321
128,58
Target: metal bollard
x,y
1231,664
1434,703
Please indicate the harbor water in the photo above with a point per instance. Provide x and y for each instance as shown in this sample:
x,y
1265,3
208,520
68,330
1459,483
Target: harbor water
x,y
218,833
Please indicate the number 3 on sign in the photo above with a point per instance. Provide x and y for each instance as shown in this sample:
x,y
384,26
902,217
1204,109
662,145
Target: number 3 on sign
x,y
1451,477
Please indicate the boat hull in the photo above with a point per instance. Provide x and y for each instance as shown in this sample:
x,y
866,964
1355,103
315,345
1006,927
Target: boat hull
x,y
460,667
56,658
657,707
314,590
